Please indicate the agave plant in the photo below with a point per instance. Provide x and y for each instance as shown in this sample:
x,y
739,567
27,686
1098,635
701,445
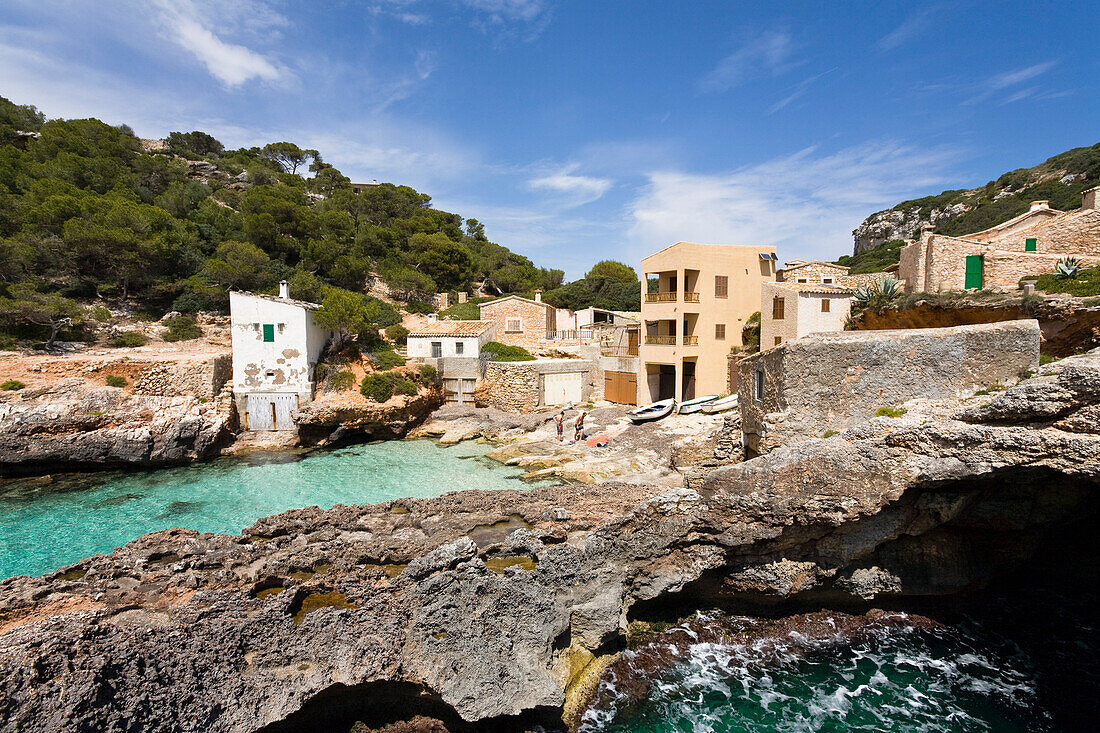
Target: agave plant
x,y
1068,268
862,296
890,287
877,294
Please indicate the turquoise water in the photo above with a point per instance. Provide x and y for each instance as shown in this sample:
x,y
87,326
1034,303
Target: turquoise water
x,y
1020,667
50,522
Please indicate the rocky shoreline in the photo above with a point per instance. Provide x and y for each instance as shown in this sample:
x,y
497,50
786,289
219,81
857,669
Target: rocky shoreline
x,y
499,609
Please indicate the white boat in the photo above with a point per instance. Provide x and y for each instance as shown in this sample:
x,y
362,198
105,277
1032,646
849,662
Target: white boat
x,y
652,412
726,403
686,408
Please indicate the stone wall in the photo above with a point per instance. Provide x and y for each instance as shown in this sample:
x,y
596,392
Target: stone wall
x,y
535,317
516,386
1075,233
830,382
812,271
200,379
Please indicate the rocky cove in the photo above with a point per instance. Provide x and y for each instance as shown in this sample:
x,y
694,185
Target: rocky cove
x,y
506,609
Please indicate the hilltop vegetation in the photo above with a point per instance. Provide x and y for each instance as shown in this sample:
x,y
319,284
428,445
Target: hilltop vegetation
x,y
1060,180
88,214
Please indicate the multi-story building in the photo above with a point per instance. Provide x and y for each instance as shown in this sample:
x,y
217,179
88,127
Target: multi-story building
x,y
692,315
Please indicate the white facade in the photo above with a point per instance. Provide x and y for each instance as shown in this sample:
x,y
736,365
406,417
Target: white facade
x,y
434,347
812,318
276,347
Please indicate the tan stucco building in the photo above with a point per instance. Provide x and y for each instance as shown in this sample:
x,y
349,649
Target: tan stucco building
x,y
1029,244
704,294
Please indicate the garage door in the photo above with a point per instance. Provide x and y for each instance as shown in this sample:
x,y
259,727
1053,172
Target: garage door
x,y
621,387
560,389
270,411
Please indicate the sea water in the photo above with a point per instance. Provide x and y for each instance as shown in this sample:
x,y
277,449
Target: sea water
x,y
49,522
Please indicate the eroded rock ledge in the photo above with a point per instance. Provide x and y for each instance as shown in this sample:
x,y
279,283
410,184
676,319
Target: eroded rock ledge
x,y
494,607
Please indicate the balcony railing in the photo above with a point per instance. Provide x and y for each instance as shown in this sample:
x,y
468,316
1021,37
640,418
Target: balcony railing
x,y
691,340
660,340
660,297
584,334
691,297
619,350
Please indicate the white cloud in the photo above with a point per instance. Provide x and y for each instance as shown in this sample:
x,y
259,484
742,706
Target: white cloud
x,y
999,82
505,10
807,204
801,88
912,27
233,64
768,53
577,190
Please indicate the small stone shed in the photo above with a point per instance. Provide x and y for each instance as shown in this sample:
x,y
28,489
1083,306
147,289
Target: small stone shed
x,y
525,386
833,381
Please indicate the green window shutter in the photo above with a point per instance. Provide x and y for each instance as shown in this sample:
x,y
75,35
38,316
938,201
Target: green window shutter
x,y
973,272
1029,244
269,332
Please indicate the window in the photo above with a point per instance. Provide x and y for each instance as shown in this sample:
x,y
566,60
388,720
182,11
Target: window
x,y
437,349
802,280
458,347
827,280
778,340
721,286
824,305
1030,244
719,332
758,385
513,325
777,309
269,333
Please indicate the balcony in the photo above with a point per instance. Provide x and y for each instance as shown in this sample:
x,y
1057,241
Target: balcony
x,y
619,351
660,340
691,297
660,297
691,340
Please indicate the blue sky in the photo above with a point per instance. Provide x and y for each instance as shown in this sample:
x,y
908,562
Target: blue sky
x,y
580,131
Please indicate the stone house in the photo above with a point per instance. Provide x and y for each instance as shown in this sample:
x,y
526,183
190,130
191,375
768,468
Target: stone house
x,y
526,386
276,347
692,317
829,382
790,310
454,349
813,271
1029,244
521,321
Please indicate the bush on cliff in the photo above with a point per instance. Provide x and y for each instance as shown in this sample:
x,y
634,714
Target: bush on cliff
x,y
182,328
397,333
1086,283
11,385
113,380
381,386
129,339
386,359
504,352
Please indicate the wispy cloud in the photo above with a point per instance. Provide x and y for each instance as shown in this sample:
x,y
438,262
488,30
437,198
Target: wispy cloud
x,y
799,90
500,11
231,63
577,189
806,203
769,53
1000,83
911,27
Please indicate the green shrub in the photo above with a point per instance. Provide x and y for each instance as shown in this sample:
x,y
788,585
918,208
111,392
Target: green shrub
x,y
129,339
113,380
503,352
420,306
1085,283
402,385
387,359
468,311
830,433
428,374
341,380
100,313
397,333
182,328
890,412
1045,359
376,387
11,385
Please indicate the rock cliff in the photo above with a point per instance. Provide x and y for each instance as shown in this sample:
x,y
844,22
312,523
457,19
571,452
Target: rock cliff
x,y
497,610
75,425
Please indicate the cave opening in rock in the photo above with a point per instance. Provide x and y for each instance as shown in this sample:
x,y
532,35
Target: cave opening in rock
x,y
377,704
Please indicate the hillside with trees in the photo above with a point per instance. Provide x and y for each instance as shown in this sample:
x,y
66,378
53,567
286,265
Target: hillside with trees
x,y
89,213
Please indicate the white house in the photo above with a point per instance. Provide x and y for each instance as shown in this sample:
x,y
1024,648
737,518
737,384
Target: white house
x,y
791,310
449,338
454,348
276,347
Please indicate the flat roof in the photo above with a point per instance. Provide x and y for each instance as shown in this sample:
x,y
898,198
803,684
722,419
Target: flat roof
x,y
276,299
822,288
452,328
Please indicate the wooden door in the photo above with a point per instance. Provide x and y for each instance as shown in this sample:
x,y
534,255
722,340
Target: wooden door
x,y
270,411
560,389
620,387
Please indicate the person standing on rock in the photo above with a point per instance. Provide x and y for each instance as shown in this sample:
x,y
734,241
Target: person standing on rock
x,y
578,433
560,424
